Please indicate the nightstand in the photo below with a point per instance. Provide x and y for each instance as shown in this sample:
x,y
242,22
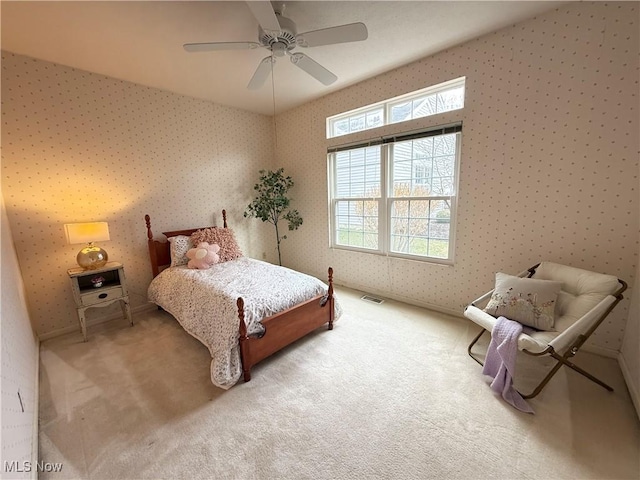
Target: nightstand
x,y
88,292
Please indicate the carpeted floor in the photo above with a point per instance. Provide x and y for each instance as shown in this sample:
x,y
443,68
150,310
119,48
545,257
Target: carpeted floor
x,y
390,393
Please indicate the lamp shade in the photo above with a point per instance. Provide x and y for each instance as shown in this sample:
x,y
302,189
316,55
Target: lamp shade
x,y
77,233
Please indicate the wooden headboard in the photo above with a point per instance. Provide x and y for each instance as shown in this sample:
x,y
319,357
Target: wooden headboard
x,y
159,250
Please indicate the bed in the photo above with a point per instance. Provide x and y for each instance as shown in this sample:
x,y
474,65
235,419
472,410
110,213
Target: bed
x,y
243,310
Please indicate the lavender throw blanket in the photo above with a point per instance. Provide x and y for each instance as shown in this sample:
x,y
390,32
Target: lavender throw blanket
x,y
500,363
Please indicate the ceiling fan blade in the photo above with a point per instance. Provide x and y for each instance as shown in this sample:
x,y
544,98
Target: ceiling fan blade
x,y
313,68
352,32
263,11
262,73
212,46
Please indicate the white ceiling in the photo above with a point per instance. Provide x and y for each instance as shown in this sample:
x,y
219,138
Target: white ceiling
x,y
142,42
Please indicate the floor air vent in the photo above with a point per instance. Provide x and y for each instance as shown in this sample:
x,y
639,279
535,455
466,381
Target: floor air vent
x,y
369,298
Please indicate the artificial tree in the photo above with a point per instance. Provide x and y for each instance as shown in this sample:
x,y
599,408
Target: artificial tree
x,y
272,201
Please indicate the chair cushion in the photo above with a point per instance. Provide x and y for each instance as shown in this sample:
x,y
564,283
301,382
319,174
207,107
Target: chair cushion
x,y
530,301
581,291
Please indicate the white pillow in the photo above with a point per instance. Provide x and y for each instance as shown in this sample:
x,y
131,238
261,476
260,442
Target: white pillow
x,y
529,301
178,249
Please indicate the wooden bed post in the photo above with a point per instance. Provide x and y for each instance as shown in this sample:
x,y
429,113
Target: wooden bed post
x,y
152,250
330,302
224,218
244,341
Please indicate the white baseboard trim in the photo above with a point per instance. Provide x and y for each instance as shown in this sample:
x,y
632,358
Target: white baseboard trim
x,y
630,381
403,299
602,351
95,321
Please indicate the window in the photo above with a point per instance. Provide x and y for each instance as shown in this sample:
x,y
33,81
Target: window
x,y
358,194
397,196
428,101
362,120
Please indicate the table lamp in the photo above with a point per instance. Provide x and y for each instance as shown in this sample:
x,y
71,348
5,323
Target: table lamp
x,y
90,257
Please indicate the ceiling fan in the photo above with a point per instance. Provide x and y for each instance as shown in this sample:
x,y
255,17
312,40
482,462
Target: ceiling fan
x,y
279,35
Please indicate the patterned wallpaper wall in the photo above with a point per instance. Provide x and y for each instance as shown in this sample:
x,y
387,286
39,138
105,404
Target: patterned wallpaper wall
x,y
629,359
77,147
19,365
549,165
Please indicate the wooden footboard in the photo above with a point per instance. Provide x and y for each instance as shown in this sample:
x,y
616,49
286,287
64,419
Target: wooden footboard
x,y
284,328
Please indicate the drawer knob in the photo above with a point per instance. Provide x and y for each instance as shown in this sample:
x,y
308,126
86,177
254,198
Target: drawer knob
x,y
103,295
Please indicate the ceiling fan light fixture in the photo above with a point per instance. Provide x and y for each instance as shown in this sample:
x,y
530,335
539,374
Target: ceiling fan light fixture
x,y
279,49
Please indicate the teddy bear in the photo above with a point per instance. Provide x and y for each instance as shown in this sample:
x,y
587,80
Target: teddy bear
x,y
203,256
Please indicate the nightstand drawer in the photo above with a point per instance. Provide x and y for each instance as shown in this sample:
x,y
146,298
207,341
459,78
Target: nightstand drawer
x,y
101,295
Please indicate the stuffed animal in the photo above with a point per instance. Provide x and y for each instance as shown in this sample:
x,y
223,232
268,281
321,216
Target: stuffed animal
x,y
203,256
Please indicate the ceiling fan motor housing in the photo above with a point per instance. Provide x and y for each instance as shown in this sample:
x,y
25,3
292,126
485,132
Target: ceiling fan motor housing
x,y
282,41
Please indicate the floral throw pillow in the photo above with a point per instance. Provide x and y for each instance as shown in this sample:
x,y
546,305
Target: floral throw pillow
x,y
224,237
179,246
528,301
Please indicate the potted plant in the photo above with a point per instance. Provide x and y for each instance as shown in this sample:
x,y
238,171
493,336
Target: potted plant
x,y
272,203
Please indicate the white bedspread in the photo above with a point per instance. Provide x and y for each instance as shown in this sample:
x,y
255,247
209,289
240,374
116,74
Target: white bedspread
x,y
204,302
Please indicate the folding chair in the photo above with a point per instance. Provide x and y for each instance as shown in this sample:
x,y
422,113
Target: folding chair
x,y
584,301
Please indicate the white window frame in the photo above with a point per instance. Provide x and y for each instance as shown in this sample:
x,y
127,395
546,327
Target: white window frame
x,y
334,202
354,114
388,104
386,200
